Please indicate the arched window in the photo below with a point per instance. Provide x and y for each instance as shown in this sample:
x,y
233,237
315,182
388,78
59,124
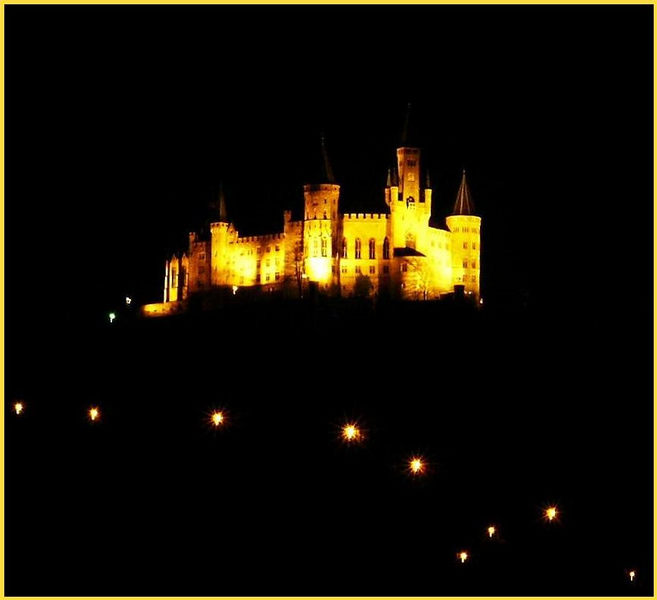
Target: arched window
x,y
386,249
372,248
357,253
344,247
324,247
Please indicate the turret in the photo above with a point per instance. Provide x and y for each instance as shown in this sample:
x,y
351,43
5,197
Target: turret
x,y
321,223
466,235
219,237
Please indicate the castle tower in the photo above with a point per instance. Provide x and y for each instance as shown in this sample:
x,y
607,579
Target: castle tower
x,y
321,223
409,211
219,238
465,227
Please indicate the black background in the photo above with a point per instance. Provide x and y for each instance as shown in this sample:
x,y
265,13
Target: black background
x,y
120,124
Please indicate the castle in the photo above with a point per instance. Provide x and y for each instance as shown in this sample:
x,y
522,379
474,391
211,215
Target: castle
x,y
395,252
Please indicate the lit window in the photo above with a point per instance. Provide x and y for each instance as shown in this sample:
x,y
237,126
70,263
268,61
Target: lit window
x,y
386,249
324,249
358,269
343,269
357,248
267,277
372,248
465,264
257,264
344,247
372,269
474,245
277,276
465,245
278,248
474,264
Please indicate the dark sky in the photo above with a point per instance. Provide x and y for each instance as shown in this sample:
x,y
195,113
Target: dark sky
x,y
122,121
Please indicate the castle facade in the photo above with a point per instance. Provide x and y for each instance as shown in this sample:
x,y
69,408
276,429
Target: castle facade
x,y
394,252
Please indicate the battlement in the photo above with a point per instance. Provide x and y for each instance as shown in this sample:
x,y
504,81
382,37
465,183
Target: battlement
x,y
270,237
371,216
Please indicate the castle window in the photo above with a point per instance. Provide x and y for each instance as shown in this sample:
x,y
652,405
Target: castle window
x,y
386,269
357,268
465,264
474,279
259,249
411,176
474,245
257,264
278,248
201,256
474,264
268,263
267,278
372,248
343,269
357,253
386,249
465,245
372,269
344,247
324,215
404,267
324,248
277,276
268,248
410,163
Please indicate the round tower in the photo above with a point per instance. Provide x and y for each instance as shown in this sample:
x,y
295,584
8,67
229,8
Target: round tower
x,y
321,224
466,248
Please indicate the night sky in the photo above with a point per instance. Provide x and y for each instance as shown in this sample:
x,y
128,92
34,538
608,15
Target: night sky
x,y
121,123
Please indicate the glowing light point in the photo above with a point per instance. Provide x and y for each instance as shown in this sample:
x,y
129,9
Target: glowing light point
x,y
128,300
491,531
632,575
351,433
217,418
462,556
111,317
94,414
551,513
18,408
416,465
235,288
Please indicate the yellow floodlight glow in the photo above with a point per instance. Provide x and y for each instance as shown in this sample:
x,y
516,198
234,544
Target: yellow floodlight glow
x,y
94,414
551,513
491,531
351,433
218,418
416,465
462,556
18,408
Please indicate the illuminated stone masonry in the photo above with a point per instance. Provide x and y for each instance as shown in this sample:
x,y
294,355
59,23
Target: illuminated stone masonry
x,y
395,252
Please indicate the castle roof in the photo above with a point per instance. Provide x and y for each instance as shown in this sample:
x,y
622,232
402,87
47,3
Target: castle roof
x,y
406,252
407,136
320,167
463,204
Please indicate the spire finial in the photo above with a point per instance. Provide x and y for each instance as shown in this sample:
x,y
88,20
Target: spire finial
x,y
222,204
327,172
389,179
404,137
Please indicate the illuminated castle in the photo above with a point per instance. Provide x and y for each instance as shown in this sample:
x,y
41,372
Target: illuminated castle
x,y
395,252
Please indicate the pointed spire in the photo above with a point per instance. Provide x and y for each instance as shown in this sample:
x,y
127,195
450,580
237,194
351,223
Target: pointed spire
x,y
405,131
326,172
389,179
223,217
428,185
463,205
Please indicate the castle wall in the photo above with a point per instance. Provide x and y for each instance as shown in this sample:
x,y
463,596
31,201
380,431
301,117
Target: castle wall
x,y
364,227
466,249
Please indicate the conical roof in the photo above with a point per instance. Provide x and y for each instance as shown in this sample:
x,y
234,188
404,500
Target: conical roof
x,y
463,205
